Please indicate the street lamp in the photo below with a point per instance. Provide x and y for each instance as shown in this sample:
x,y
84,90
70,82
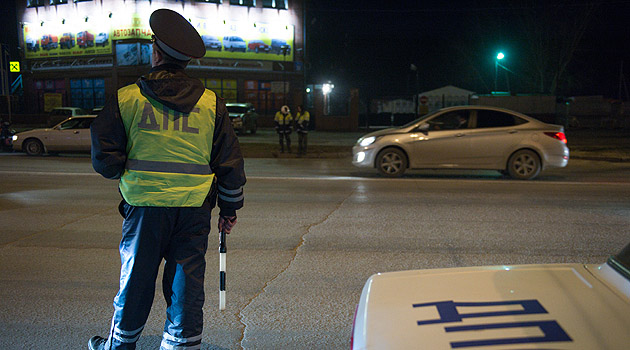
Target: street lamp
x,y
326,90
500,56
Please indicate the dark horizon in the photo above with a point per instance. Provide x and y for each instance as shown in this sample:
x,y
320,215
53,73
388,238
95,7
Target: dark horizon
x,y
371,46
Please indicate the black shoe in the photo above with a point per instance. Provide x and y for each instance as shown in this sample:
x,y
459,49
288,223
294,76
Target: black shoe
x,y
96,343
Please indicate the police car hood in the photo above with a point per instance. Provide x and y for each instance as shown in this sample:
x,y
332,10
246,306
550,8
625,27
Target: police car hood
x,y
518,307
169,85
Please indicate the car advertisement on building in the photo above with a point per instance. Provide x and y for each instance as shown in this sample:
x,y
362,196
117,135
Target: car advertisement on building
x,y
44,41
246,40
223,39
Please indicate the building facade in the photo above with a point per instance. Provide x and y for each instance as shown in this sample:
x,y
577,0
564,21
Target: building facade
x,y
79,52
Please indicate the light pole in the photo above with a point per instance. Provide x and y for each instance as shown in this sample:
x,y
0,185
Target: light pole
x,y
414,68
500,56
284,49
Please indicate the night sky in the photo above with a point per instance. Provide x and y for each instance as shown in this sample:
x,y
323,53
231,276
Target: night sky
x,y
371,45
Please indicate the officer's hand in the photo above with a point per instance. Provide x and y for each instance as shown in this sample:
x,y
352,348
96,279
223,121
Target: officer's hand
x,y
226,223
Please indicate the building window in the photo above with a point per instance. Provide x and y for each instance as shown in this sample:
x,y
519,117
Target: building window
x,y
58,2
133,54
224,88
275,4
81,0
251,3
210,1
34,3
87,93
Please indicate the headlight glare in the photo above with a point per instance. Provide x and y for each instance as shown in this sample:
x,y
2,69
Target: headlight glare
x,y
367,141
15,137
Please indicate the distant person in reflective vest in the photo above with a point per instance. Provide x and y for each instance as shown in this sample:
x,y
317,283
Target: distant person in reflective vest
x,y
170,143
283,120
302,120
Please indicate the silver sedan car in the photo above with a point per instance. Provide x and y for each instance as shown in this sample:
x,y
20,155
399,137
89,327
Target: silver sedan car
x,y
466,137
71,135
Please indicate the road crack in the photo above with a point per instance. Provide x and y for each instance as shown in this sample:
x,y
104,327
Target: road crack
x,y
240,315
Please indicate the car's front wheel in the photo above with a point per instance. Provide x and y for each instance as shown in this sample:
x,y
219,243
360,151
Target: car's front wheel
x,y
524,165
33,147
391,162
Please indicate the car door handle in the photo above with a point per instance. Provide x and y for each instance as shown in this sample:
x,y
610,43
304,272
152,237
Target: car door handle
x,y
460,135
76,132
512,131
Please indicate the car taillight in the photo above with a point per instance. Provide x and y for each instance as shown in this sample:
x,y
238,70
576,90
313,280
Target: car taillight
x,y
557,135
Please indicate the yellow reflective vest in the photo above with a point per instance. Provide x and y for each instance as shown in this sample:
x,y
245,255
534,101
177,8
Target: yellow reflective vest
x,y
168,152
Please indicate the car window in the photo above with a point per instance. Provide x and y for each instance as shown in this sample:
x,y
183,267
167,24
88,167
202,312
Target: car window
x,y
621,262
237,109
85,123
450,121
496,119
76,123
62,112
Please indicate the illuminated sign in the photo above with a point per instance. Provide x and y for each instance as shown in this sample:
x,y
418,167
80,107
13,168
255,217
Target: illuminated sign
x,y
14,66
94,36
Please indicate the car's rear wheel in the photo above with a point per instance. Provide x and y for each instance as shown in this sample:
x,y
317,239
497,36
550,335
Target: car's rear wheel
x,y
33,147
524,165
391,162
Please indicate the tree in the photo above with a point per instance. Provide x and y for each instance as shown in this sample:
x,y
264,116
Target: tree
x,y
552,32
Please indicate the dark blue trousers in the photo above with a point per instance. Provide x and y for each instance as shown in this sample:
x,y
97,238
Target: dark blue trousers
x,y
180,237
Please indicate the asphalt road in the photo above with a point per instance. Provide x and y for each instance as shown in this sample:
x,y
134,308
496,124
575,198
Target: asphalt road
x,y
311,233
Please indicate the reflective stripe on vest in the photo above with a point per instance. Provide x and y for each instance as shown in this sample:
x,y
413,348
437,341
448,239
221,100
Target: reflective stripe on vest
x,y
168,153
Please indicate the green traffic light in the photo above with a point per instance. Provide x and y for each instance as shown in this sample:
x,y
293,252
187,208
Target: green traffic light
x,y
500,56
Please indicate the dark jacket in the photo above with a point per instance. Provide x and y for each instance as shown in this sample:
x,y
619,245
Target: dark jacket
x,y
169,85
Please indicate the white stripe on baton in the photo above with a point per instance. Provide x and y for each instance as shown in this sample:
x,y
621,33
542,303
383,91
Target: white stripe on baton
x,y
222,254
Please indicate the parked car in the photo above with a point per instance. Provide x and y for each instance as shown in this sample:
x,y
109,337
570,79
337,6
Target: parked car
x,y
71,135
258,46
553,306
211,42
278,45
488,138
102,39
243,117
234,43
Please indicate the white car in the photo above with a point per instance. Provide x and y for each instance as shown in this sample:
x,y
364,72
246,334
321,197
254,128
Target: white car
x,y
234,43
466,137
102,39
555,306
71,135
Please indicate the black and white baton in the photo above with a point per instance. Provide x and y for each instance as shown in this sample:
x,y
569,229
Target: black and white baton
x,y
222,254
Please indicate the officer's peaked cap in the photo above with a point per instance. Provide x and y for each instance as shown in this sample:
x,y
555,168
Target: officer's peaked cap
x,y
175,36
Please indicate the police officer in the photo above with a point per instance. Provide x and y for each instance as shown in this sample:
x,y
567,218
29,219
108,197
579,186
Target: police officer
x,y
283,120
302,120
170,143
